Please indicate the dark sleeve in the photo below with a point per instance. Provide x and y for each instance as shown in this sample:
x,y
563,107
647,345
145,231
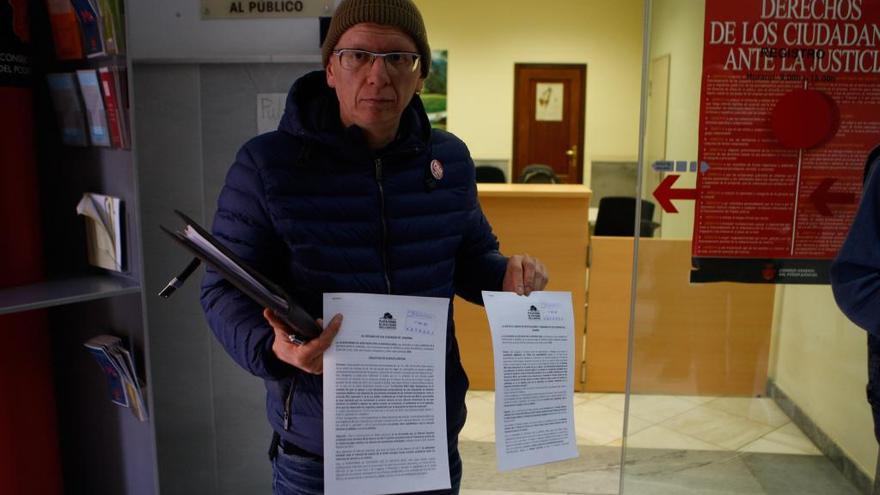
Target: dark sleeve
x,y
479,264
855,273
243,225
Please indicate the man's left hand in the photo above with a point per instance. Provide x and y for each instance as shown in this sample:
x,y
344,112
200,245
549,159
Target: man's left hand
x,y
524,274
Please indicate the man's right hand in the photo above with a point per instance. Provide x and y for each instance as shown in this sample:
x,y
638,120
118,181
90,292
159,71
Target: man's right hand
x,y
308,357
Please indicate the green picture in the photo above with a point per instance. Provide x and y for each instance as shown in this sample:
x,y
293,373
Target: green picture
x,y
434,91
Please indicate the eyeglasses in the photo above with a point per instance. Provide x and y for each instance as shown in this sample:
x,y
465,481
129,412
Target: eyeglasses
x,y
353,59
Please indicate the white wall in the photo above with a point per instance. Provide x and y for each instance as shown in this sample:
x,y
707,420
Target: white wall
x,y
677,31
819,359
486,38
173,31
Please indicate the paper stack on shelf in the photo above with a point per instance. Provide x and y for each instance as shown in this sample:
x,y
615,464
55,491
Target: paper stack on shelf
x,y
118,365
103,229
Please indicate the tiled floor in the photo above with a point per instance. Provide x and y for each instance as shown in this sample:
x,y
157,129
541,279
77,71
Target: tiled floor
x,y
676,445
666,422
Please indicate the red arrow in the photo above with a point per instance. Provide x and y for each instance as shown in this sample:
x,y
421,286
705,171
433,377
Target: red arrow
x,y
665,194
823,196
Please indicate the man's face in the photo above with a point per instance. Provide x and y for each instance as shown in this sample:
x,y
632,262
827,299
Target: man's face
x,y
372,97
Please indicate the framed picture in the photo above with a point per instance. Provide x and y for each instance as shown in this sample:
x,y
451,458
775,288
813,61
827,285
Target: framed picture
x,y
434,91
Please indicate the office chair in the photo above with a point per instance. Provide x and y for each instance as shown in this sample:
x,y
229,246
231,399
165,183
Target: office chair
x,y
537,173
488,173
617,214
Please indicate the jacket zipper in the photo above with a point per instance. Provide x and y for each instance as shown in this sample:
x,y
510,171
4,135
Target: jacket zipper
x,y
287,401
378,162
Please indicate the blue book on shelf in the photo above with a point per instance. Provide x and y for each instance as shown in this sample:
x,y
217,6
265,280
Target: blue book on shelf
x,y
95,112
90,26
68,108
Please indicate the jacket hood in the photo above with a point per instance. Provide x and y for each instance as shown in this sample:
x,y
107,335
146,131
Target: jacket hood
x,y
312,113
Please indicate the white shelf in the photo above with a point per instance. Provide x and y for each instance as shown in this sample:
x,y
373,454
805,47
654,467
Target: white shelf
x,y
66,291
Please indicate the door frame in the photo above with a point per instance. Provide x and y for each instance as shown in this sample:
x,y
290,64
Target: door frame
x,y
520,126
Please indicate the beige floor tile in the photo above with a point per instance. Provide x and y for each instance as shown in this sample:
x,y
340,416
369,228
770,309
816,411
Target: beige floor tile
x,y
760,410
788,439
614,401
717,427
698,399
658,437
480,425
597,424
583,397
481,394
650,408
687,422
465,491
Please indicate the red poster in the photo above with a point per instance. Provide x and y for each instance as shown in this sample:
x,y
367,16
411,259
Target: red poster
x,y
790,110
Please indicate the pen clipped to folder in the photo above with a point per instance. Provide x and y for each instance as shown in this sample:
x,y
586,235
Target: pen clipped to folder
x,y
206,248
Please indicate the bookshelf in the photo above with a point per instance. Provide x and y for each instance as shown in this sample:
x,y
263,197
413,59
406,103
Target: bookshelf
x,y
66,291
192,104
103,448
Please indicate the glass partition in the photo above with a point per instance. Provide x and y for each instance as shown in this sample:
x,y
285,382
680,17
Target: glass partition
x,y
753,381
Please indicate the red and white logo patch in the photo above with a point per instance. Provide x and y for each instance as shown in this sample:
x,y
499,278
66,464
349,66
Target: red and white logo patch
x,y
437,169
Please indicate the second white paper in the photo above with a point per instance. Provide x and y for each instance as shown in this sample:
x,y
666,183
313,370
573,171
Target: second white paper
x,y
385,395
533,343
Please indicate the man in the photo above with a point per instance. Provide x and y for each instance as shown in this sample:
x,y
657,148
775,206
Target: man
x,y
855,281
354,193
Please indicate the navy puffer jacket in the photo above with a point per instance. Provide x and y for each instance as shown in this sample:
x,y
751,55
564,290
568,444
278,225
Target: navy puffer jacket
x,y
314,208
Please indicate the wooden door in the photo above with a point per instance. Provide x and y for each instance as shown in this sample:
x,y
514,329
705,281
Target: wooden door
x,y
548,119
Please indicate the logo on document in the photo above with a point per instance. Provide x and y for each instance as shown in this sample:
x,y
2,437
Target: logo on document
x,y
534,314
387,322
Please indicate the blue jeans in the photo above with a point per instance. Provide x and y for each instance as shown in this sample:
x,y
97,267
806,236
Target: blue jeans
x,y
297,475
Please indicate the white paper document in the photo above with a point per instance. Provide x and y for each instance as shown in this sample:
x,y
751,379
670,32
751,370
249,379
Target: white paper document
x,y
385,395
103,229
533,342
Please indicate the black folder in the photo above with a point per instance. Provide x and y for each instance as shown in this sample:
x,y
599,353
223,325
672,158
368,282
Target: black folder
x,y
253,283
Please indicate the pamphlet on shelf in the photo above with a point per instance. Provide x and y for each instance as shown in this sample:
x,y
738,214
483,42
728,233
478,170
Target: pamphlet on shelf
x,y
111,26
204,246
103,229
65,30
95,112
111,369
112,106
120,81
117,363
69,112
90,27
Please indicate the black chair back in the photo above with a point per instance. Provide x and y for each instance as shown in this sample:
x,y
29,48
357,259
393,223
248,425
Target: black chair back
x,y
488,173
538,174
616,217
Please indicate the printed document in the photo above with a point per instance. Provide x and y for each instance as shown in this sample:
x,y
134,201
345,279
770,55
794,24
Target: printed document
x,y
385,395
533,342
